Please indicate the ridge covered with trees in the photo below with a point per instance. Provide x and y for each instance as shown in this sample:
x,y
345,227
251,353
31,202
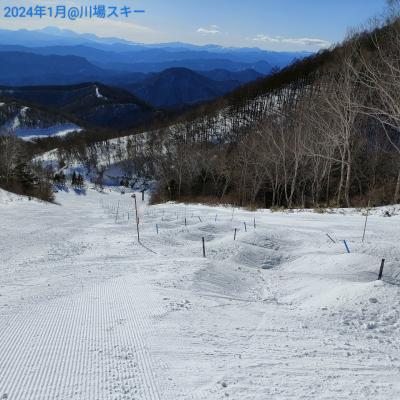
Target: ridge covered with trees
x,y
322,132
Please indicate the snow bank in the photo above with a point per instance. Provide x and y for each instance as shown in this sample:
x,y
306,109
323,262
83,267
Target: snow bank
x,y
7,197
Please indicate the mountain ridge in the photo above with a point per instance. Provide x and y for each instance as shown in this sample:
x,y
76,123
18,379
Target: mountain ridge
x,y
88,105
180,86
125,52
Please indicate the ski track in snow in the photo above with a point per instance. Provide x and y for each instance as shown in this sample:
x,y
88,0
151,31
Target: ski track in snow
x,y
282,313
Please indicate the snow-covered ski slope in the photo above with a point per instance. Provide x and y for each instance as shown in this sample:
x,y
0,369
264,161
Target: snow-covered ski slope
x,y
281,313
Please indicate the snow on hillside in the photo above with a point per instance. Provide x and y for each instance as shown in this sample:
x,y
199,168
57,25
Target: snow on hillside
x,y
7,198
281,312
30,123
29,134
15,122
219,129
108,152
98,94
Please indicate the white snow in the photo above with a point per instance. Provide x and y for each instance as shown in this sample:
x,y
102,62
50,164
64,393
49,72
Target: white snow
x,y
7,197
60,130
14,124
280,313
24,110
98,94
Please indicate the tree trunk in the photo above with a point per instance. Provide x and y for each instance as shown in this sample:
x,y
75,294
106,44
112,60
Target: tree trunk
x,y
340,189
348,179
397,190
293,185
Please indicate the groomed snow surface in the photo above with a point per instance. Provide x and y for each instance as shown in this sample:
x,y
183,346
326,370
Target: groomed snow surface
x,y
281,313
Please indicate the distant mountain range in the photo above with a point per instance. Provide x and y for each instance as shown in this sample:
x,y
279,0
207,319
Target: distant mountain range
x,y
160,89
114,54
139,57
151,60
17,68
54,67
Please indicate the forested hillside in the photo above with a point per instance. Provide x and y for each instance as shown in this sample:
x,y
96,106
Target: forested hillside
x,y
19,174
88,104
322,132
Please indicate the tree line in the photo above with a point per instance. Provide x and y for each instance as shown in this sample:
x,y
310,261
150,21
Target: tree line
x,y
329,138
323,132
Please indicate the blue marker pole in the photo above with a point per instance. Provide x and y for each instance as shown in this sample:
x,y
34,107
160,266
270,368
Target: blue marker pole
x,y
347,247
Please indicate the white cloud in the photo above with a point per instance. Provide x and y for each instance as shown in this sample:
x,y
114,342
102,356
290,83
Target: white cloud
x,y
210,30
321,43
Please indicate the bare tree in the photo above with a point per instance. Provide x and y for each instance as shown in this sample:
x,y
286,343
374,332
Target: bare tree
x,y
379,73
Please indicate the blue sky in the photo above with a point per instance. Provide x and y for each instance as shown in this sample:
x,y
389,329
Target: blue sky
x,y
269,24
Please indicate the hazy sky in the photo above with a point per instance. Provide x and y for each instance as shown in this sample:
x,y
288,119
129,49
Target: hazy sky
x,y
269,24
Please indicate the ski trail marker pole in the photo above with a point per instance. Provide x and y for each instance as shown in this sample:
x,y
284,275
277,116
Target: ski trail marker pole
x,y
116,215
381,269
365,225
330,238
137,218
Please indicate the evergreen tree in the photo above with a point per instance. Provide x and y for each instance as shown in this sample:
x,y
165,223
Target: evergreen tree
x,y
26,177
62,178
79,181
74,179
